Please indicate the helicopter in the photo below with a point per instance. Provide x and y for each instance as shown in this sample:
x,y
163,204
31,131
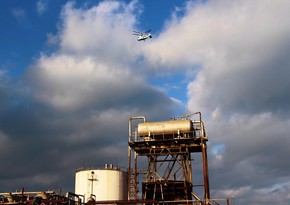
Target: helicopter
x,y
142,36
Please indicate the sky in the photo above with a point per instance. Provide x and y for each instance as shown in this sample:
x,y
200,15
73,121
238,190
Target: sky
x,y
72,74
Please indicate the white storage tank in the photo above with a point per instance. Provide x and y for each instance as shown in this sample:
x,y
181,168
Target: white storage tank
x,y
105,184
165,129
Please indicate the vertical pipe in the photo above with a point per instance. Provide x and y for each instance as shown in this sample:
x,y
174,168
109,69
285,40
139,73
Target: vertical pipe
x,y
132,178
22,194
129,173
129,162
205,173
154,168
190,167
135,176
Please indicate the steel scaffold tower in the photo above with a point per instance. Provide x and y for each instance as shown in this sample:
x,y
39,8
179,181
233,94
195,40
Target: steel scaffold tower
x,y
168,146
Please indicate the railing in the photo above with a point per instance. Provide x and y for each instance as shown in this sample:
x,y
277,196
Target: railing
x,y
103,167
197,131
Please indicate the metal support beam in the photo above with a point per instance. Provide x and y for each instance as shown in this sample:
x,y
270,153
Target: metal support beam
x,y
205,173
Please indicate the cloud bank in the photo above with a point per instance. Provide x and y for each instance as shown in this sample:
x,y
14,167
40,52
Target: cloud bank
x,y
72,106
76,101
238,50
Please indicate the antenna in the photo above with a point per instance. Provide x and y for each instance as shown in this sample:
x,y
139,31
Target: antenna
x,y
92,182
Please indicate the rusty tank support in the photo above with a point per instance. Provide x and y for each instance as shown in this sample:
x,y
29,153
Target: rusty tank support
x,y
168,146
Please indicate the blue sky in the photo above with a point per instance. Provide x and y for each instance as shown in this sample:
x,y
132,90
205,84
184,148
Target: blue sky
x,y
24,31
72,73
26,26
34,24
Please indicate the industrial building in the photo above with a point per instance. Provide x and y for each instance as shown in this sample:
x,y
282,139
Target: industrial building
x,y
160,162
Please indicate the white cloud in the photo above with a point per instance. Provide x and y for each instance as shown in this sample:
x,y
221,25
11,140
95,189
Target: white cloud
x,y
21,16
244,46
239,52
241,195
19,13
52,40
237,48
41,6
254,155
70,82
96,64
103,31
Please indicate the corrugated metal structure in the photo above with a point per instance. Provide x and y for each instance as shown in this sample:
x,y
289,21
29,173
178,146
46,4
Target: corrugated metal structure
x,y
109,183
168,146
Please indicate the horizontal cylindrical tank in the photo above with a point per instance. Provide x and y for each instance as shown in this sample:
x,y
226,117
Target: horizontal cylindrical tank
x,y
164,127
101,184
